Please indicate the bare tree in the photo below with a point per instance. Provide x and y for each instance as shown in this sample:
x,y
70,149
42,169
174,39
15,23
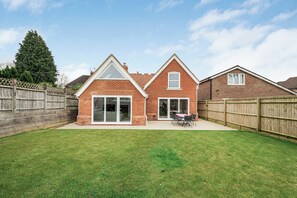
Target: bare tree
x,y
62,80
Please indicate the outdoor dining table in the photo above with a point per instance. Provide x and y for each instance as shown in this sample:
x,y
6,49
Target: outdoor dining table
x,y
181,115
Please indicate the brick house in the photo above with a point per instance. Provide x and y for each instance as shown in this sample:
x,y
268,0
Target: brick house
x,y
290,83
238,82
78,81
113,96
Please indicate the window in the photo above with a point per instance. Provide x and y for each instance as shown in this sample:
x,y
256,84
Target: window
x,y
173,80
236,79
112,109
111,73
171,106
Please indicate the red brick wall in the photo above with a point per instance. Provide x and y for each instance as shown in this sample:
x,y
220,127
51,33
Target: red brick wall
x,y
204,91
254,87
111,87
158,88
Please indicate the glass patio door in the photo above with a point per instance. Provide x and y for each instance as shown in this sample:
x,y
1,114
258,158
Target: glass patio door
x,y
163,108
171,106
112,109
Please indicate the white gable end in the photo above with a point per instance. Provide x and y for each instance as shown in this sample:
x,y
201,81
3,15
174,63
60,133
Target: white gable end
x,y
111,69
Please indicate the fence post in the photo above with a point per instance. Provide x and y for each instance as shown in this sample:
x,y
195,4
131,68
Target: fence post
x,y
14,82
258,114
206,106
45,97
65,98
225,112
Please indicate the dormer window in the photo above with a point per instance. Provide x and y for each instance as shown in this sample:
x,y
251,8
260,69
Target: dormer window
x,y
173,80
236,79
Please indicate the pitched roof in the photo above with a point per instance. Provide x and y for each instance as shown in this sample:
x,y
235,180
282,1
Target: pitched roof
x,y
173,57
290,83
110,59
82,79
249,72
141,79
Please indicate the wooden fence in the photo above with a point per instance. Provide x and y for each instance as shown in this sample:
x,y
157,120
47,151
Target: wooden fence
x,y
276,115
26,106
17,96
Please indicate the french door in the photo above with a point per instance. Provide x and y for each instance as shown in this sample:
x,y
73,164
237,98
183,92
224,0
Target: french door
x,y
167,107
111,109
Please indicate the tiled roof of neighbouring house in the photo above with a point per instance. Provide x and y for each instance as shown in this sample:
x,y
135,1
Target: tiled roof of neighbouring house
x,y
82,79
290,83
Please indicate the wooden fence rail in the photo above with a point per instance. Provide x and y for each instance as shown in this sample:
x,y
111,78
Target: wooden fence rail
x,y
17,96
269,114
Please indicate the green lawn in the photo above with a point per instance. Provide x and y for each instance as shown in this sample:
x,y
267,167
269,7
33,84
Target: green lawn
x,y
140,163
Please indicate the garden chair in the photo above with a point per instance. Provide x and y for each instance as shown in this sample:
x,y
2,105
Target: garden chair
x,y
187,121
174,119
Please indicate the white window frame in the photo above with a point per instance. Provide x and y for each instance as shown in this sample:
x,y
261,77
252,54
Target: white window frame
x,y
239,83
174,88
118,109
168,103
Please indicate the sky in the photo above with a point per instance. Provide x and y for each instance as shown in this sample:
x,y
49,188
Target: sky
x,y
208,35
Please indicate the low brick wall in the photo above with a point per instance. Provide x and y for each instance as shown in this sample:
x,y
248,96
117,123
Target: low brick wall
x,y
12,123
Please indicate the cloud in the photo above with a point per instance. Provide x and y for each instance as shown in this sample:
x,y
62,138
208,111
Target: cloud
x,y
214,17
163,5
164,50
273,54
256,6
224,38
9,36
234,37
202,3
284,16
74,70
35,6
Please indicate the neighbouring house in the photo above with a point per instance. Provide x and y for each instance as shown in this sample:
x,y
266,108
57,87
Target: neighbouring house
x,y
78,81
238,82
113,96
290,83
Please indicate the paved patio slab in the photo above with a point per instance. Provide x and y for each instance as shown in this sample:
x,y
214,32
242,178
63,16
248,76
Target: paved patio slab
x,y
154,125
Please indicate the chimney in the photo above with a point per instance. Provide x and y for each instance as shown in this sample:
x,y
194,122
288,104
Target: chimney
x,y
125,66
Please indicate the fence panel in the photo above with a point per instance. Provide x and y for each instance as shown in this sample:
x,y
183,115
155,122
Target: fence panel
x,y
279,115
270,114
242,112
202,109
29,100
216,110
55,101
6,97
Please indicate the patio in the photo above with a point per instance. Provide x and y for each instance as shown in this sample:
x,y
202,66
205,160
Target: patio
x,y
155,125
